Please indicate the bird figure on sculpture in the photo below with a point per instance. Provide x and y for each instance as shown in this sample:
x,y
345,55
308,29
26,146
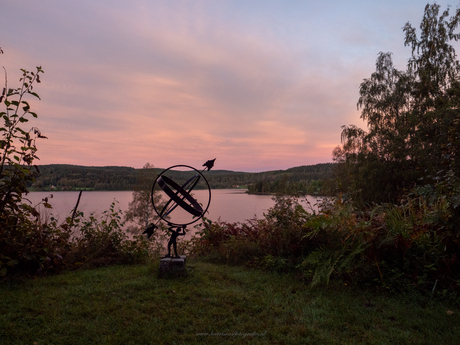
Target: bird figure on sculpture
x,y
209,164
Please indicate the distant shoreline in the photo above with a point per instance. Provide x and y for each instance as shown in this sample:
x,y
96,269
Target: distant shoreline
x,y
308,179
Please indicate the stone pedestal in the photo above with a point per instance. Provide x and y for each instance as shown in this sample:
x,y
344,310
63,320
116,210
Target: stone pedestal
x,y
172,265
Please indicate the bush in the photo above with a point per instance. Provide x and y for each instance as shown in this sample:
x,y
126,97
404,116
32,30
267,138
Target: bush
x,y
25,244
394,247
29,245
101,242
278,236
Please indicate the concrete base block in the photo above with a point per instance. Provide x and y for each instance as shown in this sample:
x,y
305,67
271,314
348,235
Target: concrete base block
x,y
172,265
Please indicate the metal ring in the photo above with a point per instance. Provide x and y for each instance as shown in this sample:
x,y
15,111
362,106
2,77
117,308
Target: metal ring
x,y
194,209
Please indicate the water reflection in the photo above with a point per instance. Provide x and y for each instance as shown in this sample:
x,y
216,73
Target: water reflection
x,y
230,205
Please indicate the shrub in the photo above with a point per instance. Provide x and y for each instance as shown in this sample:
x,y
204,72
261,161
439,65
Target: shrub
x,y
103,241
29,245
259,241
395,247
25,243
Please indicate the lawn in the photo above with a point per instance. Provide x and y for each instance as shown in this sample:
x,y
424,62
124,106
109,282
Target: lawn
x,y
213,304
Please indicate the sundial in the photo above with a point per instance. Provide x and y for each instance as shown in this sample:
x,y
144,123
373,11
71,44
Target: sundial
x,y
187,196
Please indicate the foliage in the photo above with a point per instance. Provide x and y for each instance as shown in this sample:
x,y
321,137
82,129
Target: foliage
x,y
259,242
394,247
140,211
312,180
408,157
25,244
17,146
412,117
28,244
74,177
31,246
225,242
38,247
335,245
103,241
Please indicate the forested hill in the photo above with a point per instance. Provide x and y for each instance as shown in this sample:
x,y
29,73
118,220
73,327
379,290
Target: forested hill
x,y
76,177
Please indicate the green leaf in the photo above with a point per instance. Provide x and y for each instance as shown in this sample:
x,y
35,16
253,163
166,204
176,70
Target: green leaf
x,y
35,94
12,263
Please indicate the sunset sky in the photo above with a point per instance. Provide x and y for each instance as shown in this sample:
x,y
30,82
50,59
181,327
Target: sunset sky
x,y
258,84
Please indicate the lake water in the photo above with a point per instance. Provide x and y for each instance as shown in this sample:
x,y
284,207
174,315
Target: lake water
x,y
230,205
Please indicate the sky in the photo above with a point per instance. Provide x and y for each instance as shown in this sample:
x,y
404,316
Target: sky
x,y
258,84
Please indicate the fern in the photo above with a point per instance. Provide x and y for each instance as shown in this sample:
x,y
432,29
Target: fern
x,y
327,261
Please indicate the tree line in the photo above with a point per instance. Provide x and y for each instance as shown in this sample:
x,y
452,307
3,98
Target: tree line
x,y
75,177
312,179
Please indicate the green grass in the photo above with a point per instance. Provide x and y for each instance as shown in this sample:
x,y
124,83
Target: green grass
x,y
131,305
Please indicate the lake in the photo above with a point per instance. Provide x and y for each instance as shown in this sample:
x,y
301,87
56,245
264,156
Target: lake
x,y
230,205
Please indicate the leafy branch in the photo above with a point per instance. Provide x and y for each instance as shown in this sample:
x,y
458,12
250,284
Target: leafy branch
x,y
17,146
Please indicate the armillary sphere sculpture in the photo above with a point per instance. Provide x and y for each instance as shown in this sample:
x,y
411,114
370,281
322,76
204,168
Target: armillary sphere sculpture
x,y
182,207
